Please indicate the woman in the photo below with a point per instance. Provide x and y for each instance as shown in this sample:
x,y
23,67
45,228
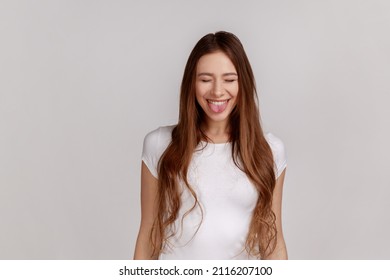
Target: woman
x,y
211,186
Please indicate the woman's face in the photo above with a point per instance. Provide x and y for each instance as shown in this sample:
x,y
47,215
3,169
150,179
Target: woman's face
x,y
216,87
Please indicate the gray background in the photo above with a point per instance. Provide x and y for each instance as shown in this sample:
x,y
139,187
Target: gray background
x,y
82,82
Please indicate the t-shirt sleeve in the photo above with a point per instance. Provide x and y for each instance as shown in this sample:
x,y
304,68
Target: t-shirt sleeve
x,y
150,151
279,153
155,143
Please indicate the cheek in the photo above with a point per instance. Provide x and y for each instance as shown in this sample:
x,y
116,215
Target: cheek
x,y
198,95
201,90
234,90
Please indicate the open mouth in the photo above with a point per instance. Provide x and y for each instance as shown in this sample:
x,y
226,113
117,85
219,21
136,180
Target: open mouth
x,y
217,106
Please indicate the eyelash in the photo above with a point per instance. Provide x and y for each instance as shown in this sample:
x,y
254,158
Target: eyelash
x,y
228,81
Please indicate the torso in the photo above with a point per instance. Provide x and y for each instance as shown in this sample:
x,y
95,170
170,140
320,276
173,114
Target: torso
x,y
225,194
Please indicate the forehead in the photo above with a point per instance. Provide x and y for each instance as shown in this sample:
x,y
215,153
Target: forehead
x,y
217,62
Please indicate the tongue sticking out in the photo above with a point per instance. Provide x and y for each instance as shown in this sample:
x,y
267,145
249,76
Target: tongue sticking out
x,y
217,108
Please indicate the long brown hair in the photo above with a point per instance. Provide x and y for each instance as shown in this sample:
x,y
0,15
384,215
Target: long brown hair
x,y
250,150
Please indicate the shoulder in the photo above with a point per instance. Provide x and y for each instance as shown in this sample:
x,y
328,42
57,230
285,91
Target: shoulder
x,y
159,135
155,143
275,143
278,151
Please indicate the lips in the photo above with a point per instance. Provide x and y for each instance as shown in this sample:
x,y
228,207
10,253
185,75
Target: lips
x,y
217,106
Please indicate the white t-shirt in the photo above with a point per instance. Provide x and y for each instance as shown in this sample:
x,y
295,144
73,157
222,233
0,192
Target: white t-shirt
x,y
226,195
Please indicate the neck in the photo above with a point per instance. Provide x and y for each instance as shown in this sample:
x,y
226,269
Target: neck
x,y
218,132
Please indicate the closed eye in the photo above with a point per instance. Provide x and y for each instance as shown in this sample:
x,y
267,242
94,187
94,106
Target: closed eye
x,y
230,81
205,81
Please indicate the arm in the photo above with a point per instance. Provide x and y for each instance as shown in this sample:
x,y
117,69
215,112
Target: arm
x,y
280,252
149,184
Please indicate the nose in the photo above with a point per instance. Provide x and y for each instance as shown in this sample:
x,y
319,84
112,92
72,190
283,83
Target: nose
x,y
217,89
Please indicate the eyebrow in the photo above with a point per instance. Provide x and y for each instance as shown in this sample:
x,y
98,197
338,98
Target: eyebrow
x,y
224,74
